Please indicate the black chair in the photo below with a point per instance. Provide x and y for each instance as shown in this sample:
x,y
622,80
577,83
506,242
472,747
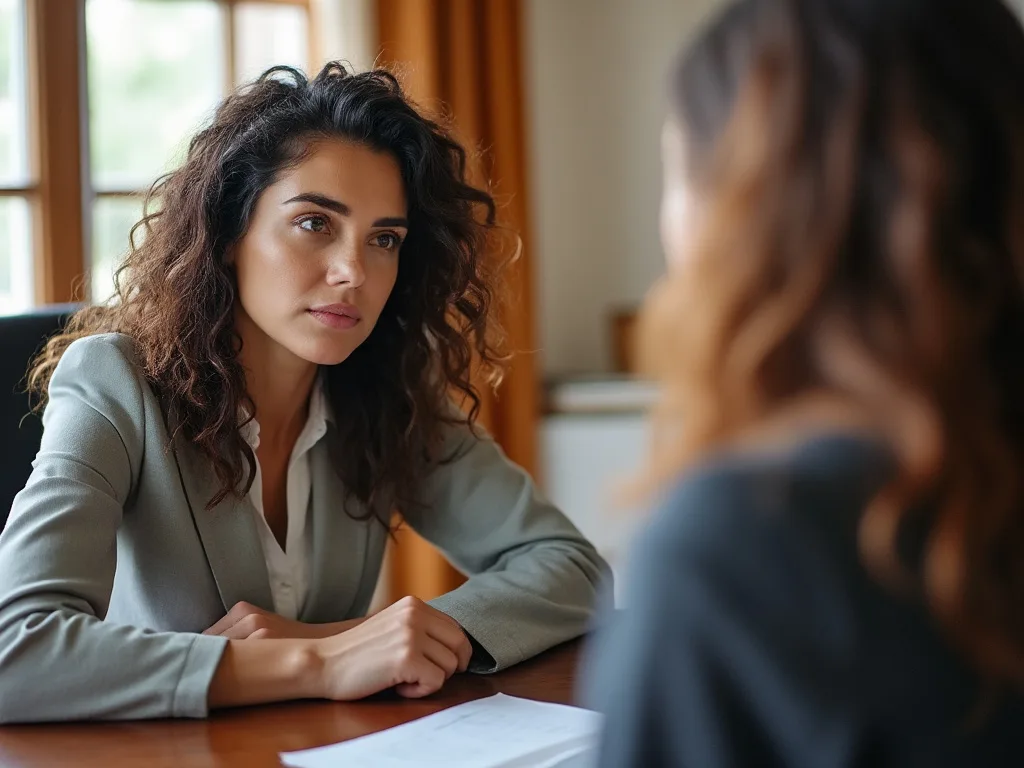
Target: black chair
x,y
21,337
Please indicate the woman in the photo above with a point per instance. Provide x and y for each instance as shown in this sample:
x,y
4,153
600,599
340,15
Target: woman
x,y
834,577
224,445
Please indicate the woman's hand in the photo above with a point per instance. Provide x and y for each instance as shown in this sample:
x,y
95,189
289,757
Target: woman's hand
x,y
409,646
245,621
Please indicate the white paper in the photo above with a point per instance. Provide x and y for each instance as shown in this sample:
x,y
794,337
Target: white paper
x,y
497,732
581,757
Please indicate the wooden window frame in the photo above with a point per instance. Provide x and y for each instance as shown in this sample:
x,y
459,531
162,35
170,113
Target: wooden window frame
x,y
61,194
55,66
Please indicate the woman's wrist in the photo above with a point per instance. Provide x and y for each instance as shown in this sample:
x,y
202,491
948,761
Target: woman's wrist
x,y
308,666
321,631
262,671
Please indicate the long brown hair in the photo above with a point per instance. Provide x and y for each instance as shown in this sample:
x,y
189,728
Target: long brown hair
x,y
175,292
861,170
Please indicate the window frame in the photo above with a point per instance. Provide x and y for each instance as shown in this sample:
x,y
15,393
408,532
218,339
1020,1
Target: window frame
x,y
61,193
29,189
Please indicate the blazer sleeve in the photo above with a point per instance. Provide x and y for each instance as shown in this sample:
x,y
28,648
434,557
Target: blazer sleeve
x,y
534,578
59,660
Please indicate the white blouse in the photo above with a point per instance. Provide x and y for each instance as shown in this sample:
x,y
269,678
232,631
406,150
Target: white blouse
x,y
288,568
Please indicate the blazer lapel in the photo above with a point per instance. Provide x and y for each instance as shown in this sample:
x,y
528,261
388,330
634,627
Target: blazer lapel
x,y
228,533
340,543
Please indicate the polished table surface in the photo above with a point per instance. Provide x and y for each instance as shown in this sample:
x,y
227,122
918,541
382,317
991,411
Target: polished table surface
x,y
254,736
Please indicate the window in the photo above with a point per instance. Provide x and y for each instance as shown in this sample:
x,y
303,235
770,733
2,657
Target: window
x,y
156,69
147,73
17,190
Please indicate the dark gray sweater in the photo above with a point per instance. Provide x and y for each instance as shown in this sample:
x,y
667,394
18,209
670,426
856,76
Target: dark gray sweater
x,y
754,637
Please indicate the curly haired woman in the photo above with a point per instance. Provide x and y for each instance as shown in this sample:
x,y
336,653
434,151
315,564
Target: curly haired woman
x,y
225,443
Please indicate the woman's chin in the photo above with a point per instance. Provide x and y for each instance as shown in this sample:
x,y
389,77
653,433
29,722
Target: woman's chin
x,y
326,354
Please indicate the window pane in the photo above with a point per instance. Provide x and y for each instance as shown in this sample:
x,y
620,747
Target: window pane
x,y
267,35
13,79
15,255
156,70
112,221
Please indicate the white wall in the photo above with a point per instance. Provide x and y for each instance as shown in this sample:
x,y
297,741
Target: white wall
x,y
347,31
595,81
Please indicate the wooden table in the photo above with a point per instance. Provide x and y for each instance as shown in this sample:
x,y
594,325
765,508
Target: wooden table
x,y
252,737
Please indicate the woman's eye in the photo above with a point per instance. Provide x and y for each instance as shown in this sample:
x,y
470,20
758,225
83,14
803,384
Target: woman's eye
x,y
388,241
316,224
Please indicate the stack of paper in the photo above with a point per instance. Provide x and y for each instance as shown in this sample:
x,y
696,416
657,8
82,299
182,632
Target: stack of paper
x,y
497,732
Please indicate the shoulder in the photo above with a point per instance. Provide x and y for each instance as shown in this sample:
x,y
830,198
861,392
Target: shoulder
x,y
97,405
92,354
765,542
817,488
467,464
101,372
744,604
461,443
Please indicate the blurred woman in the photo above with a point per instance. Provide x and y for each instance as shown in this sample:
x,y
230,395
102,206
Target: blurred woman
x,y
835,574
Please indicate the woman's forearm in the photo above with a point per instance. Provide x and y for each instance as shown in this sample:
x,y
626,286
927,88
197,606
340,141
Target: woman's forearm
x,y
262,671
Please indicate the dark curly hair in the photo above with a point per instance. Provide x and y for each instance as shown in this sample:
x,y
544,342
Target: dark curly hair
x,y
175,291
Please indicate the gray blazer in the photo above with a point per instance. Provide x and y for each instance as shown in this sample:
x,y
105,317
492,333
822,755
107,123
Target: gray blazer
x,y
110,565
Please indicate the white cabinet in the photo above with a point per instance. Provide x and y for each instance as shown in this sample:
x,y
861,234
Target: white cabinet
x,y
584,460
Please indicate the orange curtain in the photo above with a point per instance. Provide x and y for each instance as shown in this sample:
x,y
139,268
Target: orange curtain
x,y
463,57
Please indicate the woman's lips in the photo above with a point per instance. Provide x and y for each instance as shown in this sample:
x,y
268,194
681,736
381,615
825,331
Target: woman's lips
x,y
338,316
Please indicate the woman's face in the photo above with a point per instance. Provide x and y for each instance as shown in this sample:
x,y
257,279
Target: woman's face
x,y
678,204
320,257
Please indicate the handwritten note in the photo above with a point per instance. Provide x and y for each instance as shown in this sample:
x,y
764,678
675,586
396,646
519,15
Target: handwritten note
x,y
497,732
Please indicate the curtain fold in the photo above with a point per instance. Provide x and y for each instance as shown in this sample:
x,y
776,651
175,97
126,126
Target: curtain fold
x,y
463,59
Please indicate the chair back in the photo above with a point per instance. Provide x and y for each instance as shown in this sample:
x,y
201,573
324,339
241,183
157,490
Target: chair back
x,y
21,337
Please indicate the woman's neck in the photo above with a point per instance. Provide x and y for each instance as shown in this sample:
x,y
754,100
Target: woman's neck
x,y
278,381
